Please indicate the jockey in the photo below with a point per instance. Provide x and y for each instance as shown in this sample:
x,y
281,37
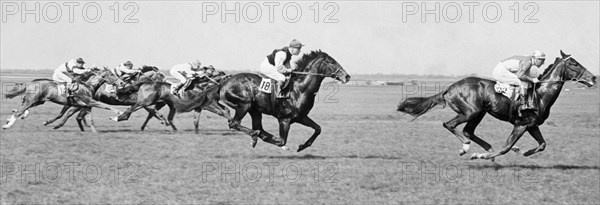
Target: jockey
x,y
184,71
518,71
277,63
125,70
65,70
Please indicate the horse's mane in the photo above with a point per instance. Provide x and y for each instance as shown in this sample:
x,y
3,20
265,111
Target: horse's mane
x,y
41,79
549,68
306,58
146,68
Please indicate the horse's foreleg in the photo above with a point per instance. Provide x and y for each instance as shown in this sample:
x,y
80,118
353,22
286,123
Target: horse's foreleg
x,y
515,135
102,105
61,114
125,115
92,125
81,118
197,120
537,135
69,113
312,124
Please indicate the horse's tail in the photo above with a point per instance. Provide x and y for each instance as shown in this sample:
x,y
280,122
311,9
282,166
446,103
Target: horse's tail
x,y
417,106
16,93
202,99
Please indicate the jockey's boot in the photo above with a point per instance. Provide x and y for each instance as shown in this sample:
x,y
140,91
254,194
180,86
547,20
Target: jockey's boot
x,y
527,102
281,93
176,89
71,87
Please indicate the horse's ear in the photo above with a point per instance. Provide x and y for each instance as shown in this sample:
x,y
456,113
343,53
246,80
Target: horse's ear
x,y
563,54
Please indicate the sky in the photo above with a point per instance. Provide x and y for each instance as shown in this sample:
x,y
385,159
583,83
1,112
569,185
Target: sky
x,y
388,37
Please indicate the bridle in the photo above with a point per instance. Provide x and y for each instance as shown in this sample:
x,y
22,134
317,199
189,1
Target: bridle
x,y
574,80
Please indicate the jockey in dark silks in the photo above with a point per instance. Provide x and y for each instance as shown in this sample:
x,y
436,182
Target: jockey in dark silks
x,y
277,63
518,71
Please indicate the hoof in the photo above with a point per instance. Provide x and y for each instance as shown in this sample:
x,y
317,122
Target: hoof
x,y
284,147
462,152
116,119
516,149
253,143
46,123
301,147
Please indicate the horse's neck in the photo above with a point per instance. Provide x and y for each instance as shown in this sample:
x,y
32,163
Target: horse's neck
x,y
551,86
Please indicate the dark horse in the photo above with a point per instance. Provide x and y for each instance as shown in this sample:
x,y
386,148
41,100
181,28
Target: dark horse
x,y
39,91
196,97
106,93
242,93
473,97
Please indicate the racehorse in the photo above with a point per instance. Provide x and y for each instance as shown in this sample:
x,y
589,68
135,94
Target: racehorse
x,y
107,93
241,92
473,97
39,91
196,97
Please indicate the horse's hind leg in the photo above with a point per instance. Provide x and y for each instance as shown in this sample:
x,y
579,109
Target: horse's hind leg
x,y
61,114
235,123
515,135
451,126
69,113
19,112
469,131
171,116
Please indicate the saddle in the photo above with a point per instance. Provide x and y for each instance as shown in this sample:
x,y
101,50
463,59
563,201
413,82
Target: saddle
x,y
517,99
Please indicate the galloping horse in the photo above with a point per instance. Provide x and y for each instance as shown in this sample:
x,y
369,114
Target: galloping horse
x,y
39,91
106,93
159,94
473,97
241,92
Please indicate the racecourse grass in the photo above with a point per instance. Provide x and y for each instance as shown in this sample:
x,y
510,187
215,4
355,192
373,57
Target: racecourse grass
x,y
367,153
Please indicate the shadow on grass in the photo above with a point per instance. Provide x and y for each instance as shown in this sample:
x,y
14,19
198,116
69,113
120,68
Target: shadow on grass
x,y
310,156
536,167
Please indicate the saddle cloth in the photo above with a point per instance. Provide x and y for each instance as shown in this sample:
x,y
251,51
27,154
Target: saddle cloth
x,y
110,88
62,89
266,85
505,89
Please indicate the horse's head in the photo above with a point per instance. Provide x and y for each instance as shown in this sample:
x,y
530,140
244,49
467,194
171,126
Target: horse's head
x,y
110,78
572,70
321,63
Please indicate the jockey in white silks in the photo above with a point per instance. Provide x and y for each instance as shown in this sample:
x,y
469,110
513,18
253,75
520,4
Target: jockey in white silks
x,y
125,70
189,69
518,71
65,70
72,66
277,63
